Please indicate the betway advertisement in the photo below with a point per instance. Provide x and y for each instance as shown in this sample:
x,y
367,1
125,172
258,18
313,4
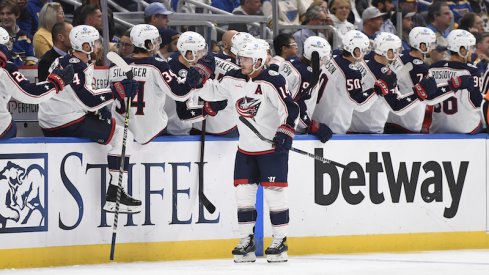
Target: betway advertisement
x,y
52,190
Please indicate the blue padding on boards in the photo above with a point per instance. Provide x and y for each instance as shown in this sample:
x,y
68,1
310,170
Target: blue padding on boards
x,y
259,230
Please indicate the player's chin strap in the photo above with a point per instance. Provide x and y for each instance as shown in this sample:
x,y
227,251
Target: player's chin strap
x,y
255,70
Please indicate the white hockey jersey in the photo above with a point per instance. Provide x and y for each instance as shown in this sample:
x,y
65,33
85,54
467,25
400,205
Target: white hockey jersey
x,y
410,118
14,84
226,119
299,78
156,81
76,99
264,100
460,113
339,93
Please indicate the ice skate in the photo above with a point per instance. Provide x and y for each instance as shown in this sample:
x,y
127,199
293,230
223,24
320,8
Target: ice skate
x,y
277,251
127,204
244,252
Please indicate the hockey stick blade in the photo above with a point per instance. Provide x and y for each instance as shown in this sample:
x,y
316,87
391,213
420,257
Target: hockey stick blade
x,y
405,69
203,199
119,61
260,136
316,70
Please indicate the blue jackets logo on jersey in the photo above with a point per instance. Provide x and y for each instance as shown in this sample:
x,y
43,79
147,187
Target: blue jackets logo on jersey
x,y
23,193
247,107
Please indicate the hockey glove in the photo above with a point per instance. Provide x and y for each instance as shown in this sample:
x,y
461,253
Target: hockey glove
x,y
194,79
212,107
283,138
206,66
320,130
425,88
104,113
61,77
125,88
461,82
387,83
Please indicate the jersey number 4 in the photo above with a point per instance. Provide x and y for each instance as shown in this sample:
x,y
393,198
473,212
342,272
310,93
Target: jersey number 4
x,y
137,102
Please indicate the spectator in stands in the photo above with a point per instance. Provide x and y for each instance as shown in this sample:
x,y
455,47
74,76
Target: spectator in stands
x,y
169,39
27,22
407,26
440,17
226,5
60,35
289,11
340,10
247,7
125,46
34,7
22,51
90,13
226,43
459,8
156,14
471,22
482,52
285,48
315,16
387,7
49,15
372,21
215,47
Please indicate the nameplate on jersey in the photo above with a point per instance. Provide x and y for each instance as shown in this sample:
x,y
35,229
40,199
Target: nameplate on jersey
x,y
224,65
443,75
137,72
330,67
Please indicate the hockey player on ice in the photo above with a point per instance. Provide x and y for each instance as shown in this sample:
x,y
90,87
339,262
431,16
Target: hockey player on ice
x,y
191,48
155,81
340,90
386,51
299,76
409,119
460,113
81,111
224,122
261,96
14,84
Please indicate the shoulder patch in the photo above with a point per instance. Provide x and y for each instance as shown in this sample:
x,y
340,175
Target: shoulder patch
x,y
74,60
384,69
273,73
417,61
353,67
182,73
309,68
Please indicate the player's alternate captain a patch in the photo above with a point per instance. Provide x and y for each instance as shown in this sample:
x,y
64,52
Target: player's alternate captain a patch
x,y
23,193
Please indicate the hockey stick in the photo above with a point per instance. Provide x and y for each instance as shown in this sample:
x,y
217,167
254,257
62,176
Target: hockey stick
x,y
202,198
316,70
260,136
116,59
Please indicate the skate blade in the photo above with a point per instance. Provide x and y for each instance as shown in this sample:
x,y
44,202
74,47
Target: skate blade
x,y
110,207
248,258
278,258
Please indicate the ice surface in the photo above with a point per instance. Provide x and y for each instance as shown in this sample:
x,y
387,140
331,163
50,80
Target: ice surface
x,y
459,262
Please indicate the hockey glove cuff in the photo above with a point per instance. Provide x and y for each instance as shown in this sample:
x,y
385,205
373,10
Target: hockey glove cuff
x,y
283,138
57,81
461,82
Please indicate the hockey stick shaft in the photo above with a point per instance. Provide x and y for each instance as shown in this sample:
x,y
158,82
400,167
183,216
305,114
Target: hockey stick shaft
x,y
202,198
316,157
116,59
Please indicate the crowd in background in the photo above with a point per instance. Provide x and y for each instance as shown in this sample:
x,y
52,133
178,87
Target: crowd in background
x,y
39,30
